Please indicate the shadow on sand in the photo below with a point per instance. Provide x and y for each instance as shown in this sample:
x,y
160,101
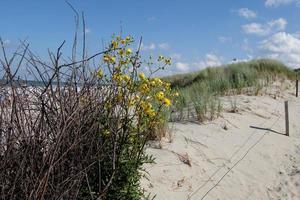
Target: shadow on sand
x,y
267,129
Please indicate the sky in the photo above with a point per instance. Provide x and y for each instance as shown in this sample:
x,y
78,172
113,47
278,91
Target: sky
x,y
196,34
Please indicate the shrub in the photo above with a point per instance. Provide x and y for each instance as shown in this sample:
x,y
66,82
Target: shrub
x,y
81,133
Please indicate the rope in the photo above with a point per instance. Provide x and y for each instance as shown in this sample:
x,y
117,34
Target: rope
x,y
239,160
238,150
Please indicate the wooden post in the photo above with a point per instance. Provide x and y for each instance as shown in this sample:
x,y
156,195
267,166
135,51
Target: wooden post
x,y
286,108
297,87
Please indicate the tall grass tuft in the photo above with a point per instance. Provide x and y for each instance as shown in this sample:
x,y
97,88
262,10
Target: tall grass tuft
x,y
199,87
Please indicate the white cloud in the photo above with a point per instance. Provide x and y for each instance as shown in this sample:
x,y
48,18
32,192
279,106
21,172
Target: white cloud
x,y
224,39
255,29
282,46
278,24
176,56
151,46
265,29
275,3
247,13
210,60
164,46
183,67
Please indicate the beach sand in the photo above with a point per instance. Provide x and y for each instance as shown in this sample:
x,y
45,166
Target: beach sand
x,y
242,155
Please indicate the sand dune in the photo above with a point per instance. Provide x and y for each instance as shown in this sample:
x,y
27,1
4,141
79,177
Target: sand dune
x,y
243,155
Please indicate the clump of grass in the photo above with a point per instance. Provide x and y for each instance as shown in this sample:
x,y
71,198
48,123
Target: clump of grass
x,y
233,105
199,87
179,105
238,74
206,106
220,108
200,106
257,88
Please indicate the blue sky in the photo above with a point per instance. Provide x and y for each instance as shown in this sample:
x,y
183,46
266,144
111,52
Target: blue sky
x,y
195,33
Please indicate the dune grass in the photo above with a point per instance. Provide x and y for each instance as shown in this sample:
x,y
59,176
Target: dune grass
x,y
201,89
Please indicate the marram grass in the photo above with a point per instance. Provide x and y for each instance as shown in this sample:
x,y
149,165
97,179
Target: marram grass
x,y
202,88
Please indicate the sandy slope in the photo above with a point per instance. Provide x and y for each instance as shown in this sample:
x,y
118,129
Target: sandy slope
x,y
255,163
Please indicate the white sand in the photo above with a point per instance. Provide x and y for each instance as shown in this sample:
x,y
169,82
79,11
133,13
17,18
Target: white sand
x,y
270,169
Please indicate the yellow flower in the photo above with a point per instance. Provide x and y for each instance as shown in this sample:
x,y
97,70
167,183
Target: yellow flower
x,y
145,105
127,39
106,58
152,83
117,78
123,42
113,59
128,51
126,78
106,132
100,73
160,58
114,44
144,88
167,86
168,61
176,94
157,81
167,102
160,96
121,52
147,109
151,113
123,62
142,76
